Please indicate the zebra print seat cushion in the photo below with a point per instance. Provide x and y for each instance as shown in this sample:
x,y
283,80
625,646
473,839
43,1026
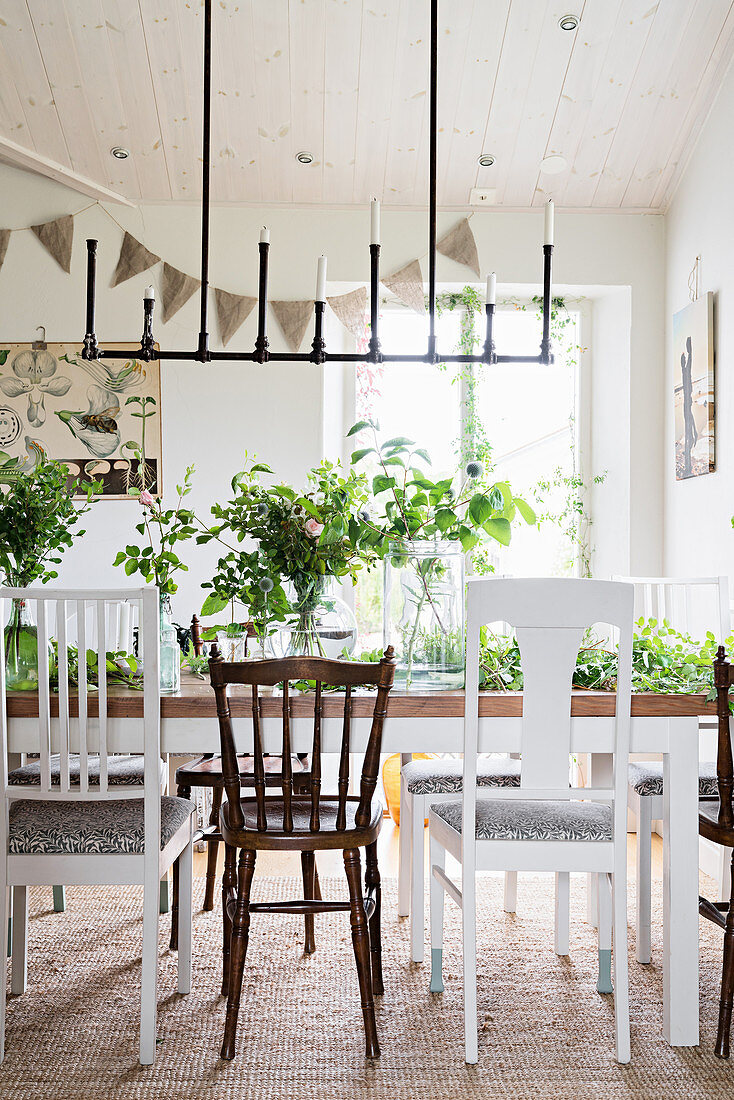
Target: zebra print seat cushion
x,y
646,777
503,819
445,776
122,771
37,827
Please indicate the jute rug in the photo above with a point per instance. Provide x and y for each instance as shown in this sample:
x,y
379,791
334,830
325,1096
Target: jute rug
x,y
545,1032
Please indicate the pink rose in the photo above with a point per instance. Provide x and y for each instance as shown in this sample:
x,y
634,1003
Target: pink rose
x,y
146,499
314,528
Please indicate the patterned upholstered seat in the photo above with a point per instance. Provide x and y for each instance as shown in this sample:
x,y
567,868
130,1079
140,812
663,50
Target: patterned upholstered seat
x,y
646,777
37,827
502,819
445,776
122,771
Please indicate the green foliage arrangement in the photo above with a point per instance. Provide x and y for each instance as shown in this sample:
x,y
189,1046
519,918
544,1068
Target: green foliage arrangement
x,y
39,522
302,538
164,528
121,668
664,662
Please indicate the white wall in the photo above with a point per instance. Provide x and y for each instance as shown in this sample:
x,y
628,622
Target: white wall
x,y
212,413
698,533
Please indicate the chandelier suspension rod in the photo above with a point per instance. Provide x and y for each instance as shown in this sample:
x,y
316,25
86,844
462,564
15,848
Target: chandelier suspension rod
x,y
205,183
433,127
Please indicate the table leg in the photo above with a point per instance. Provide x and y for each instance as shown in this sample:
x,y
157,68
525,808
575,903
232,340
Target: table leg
x,y
680,884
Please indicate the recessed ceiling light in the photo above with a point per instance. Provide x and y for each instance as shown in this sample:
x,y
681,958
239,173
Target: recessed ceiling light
x,y
568,22
304,157
485,160
119,153
552,165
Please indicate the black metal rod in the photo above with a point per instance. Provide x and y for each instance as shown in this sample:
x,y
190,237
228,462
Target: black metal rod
x,y
489,355
433,126
374,345
147,342
90,350
318,347
545,344
261,341
203,350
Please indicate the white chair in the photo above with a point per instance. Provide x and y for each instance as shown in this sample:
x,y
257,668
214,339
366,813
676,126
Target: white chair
x,y
543,825
692,606
81,815
430,781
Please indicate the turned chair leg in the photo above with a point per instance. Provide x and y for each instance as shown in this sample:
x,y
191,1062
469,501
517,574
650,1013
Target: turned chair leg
x,y
182,792
372,881
360,941
212,851
721,1050
229,897
308,867
238,951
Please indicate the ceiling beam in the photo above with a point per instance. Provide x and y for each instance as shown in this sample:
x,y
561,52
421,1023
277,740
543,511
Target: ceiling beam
x,y
20,157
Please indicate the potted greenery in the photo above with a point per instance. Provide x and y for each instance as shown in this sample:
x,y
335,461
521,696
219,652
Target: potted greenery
x,y
422,528
303,545
157,562
38,523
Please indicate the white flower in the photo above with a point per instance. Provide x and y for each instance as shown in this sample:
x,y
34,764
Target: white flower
x,y
97,427
313,527
34,371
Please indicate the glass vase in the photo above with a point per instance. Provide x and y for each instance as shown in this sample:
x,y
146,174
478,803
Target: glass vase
x,y
423,614
170,668
232,645
21,648
320,624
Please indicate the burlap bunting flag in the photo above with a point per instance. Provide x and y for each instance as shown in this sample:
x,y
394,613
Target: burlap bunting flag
x,y
459,244
133,259
4,240
293,318
407,285
176,290
57,237
350,309
232,311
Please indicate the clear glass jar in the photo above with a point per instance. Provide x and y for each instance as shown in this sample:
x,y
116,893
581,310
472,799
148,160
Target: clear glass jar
x,y
423,614
320,624
170,669
232,646
21,648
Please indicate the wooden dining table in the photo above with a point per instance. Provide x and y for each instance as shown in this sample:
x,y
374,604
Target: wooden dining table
x,y
433,722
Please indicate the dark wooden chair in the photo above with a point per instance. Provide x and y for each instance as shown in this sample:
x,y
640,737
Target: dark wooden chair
x,y
206,771
716,823
291,823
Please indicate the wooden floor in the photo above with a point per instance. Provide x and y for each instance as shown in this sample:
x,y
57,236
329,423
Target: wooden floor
x,y
330,863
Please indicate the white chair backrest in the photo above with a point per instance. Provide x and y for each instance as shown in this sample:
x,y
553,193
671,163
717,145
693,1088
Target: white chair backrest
x,y
76,720
692,605
549,617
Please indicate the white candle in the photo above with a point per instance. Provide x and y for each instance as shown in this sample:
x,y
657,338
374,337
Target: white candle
x,y
548,237
491,289
321,280
374,222
265,235
149,293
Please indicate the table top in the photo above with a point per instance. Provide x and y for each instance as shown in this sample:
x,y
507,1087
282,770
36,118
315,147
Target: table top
x,y
196,700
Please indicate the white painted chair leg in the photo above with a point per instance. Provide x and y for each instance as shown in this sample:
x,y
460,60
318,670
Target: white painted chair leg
x,y
19,965
436,890
149,979
469,936
592,900
417,879
621,972
563,905
406,801
185,884
4,918
510,902
604,982
644,879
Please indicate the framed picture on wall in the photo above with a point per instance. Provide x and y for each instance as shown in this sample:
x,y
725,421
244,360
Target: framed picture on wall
x,y
693,388
101,418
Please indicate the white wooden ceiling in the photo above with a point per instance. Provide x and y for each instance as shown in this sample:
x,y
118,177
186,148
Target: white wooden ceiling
x,y
621,99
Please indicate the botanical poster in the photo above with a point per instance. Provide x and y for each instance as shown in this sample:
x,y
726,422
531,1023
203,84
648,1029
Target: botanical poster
x,y
101,418
693,388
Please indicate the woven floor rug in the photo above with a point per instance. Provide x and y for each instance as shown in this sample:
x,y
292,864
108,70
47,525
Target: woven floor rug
x,y
545,1032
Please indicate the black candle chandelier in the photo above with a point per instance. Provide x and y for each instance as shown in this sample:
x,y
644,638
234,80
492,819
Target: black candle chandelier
x,y
318,353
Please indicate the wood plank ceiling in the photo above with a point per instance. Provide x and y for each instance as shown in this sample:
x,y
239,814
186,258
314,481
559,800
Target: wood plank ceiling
x,y
622,98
